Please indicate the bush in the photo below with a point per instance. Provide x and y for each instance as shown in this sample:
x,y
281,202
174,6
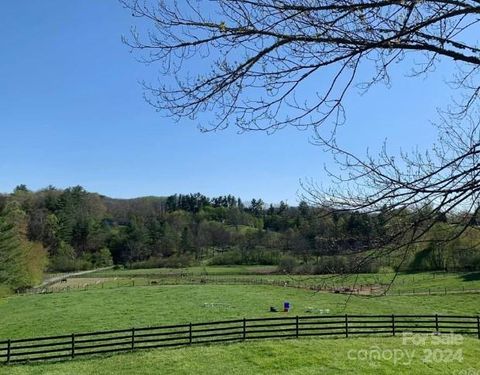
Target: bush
x,y
4,291
226,259
287,264
178,261
304,269
174,261
65,264
101,258
331,264
36,261
256,256
64,260
372,266
385,269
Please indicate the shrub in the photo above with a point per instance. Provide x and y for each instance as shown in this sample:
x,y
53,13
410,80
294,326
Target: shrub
x,y
101,258
36,261
256,256
64,264
227,258
178,261
385,269
174,261
287,264
304,269
64,260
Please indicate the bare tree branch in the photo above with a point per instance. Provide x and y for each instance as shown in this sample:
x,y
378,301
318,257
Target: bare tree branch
x,y
263,52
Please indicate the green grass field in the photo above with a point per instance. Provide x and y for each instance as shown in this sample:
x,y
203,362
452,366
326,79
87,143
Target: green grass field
x,y
125,307
57,313
198,270
374,284
403,282
302,357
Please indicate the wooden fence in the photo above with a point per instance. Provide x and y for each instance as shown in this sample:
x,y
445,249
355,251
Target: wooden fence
x,y
174,281
360,289
84,344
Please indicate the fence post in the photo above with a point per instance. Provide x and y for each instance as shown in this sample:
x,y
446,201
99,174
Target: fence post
x,y
190,334
244,328
296,326
393,325
73,346
133,338
9,344
346,325
436,323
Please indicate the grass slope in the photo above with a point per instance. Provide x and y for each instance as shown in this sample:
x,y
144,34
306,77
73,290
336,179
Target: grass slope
x,y
197,270
305,356
83,311
405,282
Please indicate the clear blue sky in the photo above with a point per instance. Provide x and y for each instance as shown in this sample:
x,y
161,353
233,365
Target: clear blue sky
x,y
72,113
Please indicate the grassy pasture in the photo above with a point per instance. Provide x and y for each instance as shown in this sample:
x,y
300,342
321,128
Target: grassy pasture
x,y
125,307
305,356
197,270
97,309
404,283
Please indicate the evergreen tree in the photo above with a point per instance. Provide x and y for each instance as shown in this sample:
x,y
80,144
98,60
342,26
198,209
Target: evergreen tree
x,y
13,271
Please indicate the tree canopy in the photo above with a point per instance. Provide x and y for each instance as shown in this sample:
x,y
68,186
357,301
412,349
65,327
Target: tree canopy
x,y
82,230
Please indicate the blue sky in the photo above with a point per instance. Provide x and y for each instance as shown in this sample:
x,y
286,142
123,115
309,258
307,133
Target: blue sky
x,y
72,113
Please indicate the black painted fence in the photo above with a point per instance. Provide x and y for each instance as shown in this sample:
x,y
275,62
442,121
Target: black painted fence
x,y
84,344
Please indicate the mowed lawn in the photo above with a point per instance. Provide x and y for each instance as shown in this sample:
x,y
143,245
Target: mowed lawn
x,y
301,357
97,309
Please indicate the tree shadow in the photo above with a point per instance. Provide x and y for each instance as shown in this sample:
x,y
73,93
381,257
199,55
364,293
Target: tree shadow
x,y
472,276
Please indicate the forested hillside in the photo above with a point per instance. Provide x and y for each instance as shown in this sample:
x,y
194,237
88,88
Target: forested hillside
x,y
72,229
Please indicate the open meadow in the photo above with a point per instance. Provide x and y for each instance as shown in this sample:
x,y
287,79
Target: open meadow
x,y
240,187
369,283
133,304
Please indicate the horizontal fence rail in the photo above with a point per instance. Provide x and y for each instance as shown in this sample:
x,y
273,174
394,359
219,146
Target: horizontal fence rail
x,y
358,289
376,286
114,341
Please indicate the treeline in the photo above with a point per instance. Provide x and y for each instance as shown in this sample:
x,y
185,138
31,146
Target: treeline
x,y
22,262
73,229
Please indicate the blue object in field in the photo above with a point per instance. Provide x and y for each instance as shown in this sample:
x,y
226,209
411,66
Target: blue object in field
x,y
286,306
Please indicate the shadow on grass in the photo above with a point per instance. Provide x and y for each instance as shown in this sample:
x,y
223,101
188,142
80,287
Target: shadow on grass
x,y
472,276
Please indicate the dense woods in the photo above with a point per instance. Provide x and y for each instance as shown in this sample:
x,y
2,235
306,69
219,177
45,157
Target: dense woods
x,y
72,229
